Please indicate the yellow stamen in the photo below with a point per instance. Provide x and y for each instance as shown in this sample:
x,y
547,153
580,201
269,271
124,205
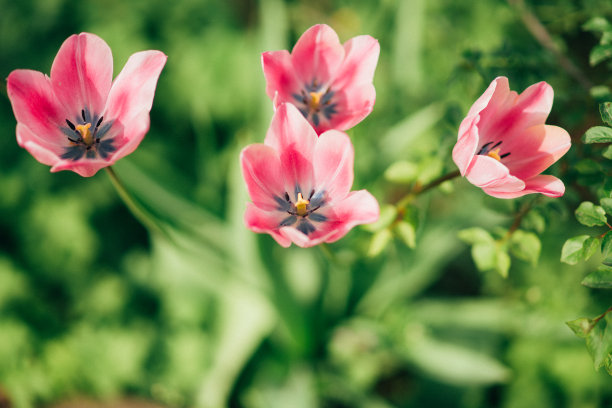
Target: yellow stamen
x,y
315,100
300,205
85,133
494,154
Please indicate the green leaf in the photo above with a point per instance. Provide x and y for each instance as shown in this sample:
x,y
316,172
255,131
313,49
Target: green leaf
x,y
597,24
388,214
526,246
606,244
379,242
607,153
475,235
587,166
600,53
534,220
402,172
407,233
598,134
573,250
590,247
605,109
606,204
600,279
590,214
502,261
484,256
599,342
581,327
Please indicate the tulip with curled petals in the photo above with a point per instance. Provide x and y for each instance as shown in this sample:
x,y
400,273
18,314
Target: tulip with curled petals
x,y
79,119
330,83
300,184
503,144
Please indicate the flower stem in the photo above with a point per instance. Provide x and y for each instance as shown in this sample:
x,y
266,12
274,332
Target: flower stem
x,y
137,210
418,189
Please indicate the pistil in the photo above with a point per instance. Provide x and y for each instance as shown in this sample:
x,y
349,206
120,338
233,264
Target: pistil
x,y
301,206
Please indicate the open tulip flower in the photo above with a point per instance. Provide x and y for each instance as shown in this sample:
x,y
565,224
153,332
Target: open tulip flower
x,y
329,83
300,183
79,119
503,144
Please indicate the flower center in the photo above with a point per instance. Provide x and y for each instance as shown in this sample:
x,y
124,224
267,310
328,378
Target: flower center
x,y
86,135
315,101
492,150
301,206
86,139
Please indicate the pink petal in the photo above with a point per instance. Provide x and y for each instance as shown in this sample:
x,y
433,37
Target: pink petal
x,y
333,164
44,152
548,185
281,82
83,167
261,169
81,74
129,136
35,105
134,88
535,149
359,207
466,145
353,104
261,221
317,55
294,139
361,57
486,172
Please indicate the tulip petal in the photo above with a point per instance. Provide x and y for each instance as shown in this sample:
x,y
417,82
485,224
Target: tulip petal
x,y
42,151
359,207
353,104
361,57
466,145
81,74
536,149
333,164
317,55
262,172
35,105
544,184
281,82
262,221
127,137
294,139
486,172
134,88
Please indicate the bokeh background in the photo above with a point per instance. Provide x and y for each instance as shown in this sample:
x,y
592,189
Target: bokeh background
x,y
94,308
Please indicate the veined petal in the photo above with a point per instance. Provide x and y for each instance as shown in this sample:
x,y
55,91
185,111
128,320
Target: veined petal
x,y
466,145
134,88
544,184
81,73
317,55
262,172
535,149
294,139
261,221
353,104
333,164
486,172
44,152
35,105
281,82
361,57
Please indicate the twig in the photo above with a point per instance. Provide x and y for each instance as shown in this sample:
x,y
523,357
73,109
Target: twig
x,y
418,189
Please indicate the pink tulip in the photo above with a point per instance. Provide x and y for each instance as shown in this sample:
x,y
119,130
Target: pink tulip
x,y
329,83
79,119
504,145
300,183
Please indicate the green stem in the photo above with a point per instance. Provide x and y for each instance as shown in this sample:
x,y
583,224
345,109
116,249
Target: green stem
x,y
418,189
137,210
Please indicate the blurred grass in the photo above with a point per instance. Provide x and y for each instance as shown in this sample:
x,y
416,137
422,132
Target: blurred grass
x,y
91,305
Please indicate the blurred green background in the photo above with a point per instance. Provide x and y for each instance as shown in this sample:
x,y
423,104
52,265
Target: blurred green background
x,y
92,306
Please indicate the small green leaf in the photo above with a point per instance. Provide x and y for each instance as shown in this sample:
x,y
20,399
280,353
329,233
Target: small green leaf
x,y
407,233
600,279
590,247
606,204
590,214
573,250
402,172
597,24
484,256
600,53
526,246
534,220
606,244
379,242
502,261
581,327
605,109
598,134
607,153
475,235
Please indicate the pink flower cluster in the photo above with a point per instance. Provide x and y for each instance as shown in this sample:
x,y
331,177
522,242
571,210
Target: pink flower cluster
x,y
300,178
